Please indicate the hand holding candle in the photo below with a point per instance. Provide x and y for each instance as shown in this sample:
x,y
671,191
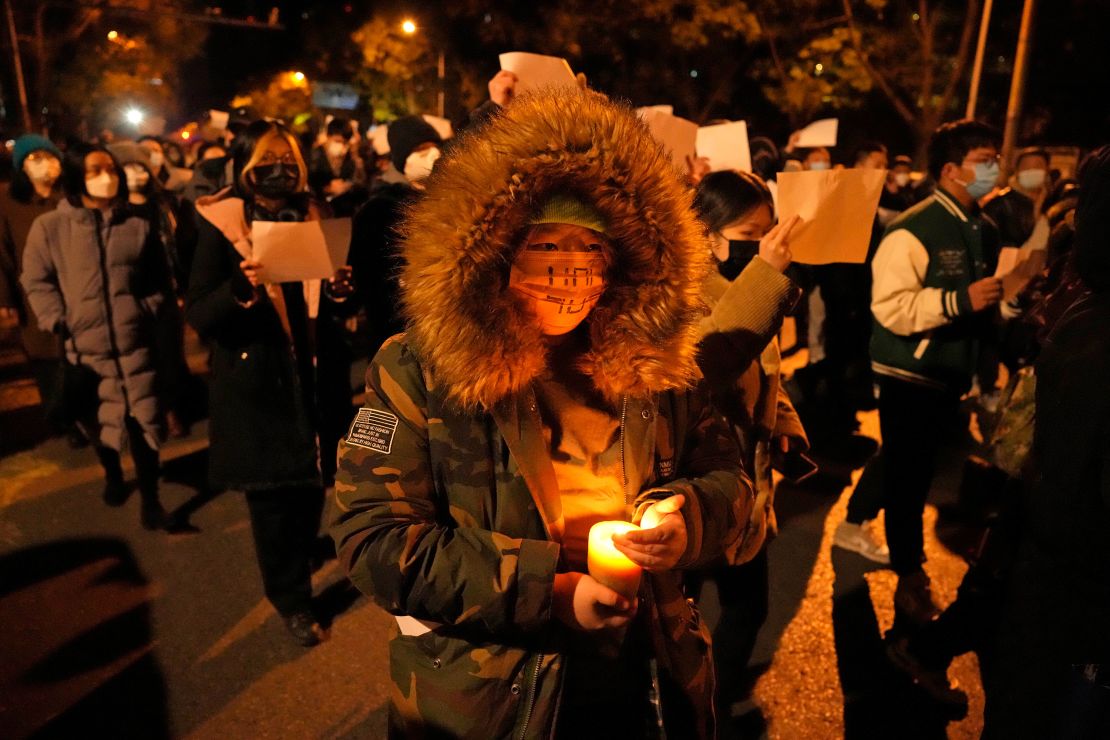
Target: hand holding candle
x,y
660,541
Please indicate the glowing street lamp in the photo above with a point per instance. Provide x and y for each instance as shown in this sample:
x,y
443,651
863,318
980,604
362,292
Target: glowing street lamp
x,y
408,26
298,77
113,35
134,116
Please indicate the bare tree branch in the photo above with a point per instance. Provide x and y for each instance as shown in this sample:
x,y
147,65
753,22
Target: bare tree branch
x,y
970,18
878,77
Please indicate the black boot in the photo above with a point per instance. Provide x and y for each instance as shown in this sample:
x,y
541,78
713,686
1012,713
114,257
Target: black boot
x,y
115,490
304,628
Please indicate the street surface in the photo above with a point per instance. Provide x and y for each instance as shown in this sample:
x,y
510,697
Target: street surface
x,y
113,631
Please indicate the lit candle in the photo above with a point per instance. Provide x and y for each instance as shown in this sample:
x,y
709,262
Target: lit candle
x,y
607,564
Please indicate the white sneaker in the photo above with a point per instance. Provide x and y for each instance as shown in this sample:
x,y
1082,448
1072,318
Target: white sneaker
x,y
859,538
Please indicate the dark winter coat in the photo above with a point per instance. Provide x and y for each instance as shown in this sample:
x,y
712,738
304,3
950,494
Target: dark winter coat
x,y
263,403
100,281
16,217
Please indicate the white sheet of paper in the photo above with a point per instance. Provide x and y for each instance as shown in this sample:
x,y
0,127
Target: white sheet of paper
x,y
378,139
668,109
1007,261
441,125
296,251
537,70
818,133
677,135
218,119
838,211
725,145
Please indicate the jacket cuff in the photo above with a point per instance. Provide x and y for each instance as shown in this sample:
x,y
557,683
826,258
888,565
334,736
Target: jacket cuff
x,y
535,583
955,303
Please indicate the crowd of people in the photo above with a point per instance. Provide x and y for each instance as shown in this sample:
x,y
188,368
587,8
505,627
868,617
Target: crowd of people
x,y
564,329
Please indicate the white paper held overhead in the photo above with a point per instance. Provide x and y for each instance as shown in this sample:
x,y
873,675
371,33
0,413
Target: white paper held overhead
x,y
818,133
535,71
837,208
296,251
725,145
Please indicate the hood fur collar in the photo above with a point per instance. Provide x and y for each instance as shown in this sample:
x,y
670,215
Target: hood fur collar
x,y
475,337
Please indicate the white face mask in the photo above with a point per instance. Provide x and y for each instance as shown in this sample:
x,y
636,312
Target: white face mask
x,y
137,177
419,164
45,170
902,179
818,165
157,159
1032,179
102,186
336,149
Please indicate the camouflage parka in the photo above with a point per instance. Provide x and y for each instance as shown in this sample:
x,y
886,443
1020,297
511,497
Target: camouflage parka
x,y
448,513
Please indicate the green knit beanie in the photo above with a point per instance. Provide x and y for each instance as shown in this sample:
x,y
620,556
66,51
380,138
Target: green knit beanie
x,y
566,209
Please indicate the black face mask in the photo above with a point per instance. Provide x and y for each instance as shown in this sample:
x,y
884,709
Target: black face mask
x,y
213,169
740,253
276,180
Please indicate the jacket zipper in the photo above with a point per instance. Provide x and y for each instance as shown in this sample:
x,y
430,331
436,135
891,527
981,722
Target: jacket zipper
x,y
624,470
113,344
531,696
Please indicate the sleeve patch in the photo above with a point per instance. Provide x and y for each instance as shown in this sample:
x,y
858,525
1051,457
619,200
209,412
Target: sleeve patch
x,y
373,430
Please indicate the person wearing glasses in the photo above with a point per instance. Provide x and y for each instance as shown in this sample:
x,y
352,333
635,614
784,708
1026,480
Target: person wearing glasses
x,y
274,360
931,294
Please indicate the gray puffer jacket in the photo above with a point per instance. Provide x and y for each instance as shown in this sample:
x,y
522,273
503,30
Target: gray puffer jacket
x,y
99,279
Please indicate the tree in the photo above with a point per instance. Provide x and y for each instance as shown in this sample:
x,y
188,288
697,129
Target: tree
x,y
93,59
287,96
398,68
913,55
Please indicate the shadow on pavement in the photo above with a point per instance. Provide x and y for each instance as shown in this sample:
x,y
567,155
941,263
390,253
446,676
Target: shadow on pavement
x,y
190,471
878,700
78,644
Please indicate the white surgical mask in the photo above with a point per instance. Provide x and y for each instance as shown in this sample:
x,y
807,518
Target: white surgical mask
x,y
1032,179
336,149
45,170
157,159
137,176
419,164
818,165
102,186
902,179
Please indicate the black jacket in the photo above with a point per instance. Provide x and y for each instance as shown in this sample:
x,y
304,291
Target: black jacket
x,y
265,409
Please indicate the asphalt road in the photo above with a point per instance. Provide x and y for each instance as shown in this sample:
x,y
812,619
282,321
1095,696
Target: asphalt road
x,y
113,631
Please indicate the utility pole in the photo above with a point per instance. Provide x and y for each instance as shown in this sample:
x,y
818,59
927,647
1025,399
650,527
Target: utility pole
x,y
980,50
1017,85
17,64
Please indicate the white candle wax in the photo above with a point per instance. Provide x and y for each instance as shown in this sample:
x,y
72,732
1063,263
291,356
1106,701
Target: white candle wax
x,y
608,565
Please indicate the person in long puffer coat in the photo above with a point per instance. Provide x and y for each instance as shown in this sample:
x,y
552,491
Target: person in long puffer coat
x,y
94,275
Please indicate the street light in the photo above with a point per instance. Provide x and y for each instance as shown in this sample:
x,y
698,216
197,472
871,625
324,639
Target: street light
x,y
298,77
134,116
408,26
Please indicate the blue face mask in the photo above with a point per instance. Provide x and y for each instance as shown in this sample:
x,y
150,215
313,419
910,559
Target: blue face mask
x,y
986,177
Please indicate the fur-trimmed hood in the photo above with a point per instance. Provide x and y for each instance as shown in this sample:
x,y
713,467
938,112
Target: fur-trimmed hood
x,y
474,335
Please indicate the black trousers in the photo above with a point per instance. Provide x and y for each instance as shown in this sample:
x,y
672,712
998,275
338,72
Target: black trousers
x,y
912,420
284,522
144,456
744,593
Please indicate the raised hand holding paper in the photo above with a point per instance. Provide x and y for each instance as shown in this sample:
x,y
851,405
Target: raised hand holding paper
x,y
837,210
296,251
818,133
725,145
535,71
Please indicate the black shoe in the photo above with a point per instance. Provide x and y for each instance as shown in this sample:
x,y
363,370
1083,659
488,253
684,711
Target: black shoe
x,y
934,682
305,629
152,515
115,493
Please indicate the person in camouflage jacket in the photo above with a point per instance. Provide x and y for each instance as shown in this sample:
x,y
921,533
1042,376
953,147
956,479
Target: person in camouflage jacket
x,y
450,513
